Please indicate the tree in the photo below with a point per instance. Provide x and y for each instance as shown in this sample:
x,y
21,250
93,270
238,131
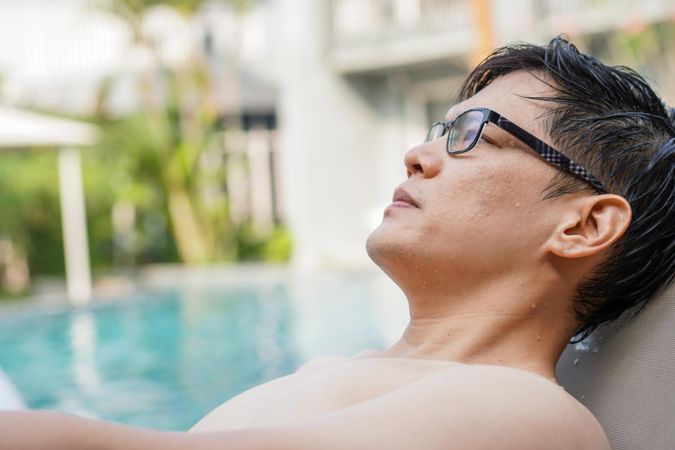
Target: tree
x,y
177,120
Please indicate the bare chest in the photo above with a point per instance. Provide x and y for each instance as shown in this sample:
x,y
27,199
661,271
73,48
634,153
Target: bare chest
x,y
315,392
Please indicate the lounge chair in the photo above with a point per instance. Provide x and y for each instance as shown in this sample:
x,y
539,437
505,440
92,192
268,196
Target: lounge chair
x,y
625,374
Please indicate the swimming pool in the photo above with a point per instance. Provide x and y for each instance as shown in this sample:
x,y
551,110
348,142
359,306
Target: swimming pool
x,y
165,357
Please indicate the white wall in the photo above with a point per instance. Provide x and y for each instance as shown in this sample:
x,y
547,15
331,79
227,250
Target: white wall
x,y
326,142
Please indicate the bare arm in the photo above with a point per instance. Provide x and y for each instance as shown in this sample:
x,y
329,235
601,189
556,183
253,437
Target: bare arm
x,y
440,411
47,430
43,430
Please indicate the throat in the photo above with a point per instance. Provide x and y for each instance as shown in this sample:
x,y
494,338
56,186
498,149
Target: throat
x,y
505,339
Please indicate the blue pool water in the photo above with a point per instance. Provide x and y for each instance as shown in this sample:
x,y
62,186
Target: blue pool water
x,y
166,357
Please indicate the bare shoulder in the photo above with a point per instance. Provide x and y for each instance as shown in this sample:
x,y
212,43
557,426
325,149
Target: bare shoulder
x,y
319,363
326,361
526,407
463,406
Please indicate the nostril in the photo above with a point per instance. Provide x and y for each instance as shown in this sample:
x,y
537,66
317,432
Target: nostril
x,y
417,161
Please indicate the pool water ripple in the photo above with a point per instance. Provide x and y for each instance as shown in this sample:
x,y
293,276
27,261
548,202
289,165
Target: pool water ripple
x,y
166,357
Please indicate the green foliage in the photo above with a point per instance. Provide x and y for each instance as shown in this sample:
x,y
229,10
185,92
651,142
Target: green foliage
x,y
30,212
123,168
131,10
279,246
152,163
251,246
7,297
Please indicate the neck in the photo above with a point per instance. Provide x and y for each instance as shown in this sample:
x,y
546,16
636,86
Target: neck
x,y
514,321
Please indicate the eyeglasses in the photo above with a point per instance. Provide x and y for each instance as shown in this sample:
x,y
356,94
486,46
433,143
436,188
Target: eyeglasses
x,y
466,130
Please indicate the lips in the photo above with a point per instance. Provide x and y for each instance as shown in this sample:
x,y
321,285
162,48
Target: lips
x,y
400,195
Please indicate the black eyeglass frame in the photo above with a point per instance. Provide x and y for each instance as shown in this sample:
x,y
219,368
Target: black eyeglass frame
x,y
548,153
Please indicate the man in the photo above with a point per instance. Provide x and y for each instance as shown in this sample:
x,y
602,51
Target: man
x,y
541,206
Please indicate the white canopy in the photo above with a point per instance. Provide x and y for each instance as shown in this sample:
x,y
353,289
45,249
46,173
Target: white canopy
x,y
23,129
19,128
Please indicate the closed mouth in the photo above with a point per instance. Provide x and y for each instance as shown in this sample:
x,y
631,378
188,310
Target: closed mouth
x,y
400,195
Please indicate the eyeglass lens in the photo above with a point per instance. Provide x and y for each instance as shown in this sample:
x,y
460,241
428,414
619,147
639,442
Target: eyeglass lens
x,y
463,131
436,131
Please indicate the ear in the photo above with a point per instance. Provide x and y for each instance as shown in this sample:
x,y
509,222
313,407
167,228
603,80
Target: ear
x,y
591,224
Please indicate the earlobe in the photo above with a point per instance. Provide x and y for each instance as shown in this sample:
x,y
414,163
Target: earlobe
x,y
592,225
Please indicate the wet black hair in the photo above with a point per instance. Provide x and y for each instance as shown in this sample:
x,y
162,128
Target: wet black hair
x,y
608,119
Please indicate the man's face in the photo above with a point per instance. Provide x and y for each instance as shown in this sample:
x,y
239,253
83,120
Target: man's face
x,y
480,213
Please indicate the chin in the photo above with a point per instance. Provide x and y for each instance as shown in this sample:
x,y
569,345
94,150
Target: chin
x,y
387,250
373,244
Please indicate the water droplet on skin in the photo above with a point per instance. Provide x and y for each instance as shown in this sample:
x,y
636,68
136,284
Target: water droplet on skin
x,y
533,305
520,281
538,337
576,361
517,205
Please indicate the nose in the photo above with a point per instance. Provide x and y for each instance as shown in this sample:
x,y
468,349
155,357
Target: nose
x,y
423,160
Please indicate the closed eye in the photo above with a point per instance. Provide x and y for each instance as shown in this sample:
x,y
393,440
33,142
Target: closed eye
x,y
489,141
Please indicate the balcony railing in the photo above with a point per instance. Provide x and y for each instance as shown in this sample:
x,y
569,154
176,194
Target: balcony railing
x,y
592,16
372,34
359,21
377,34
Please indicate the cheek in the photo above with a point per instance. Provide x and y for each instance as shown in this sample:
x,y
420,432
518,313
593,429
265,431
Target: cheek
x,y
486,215
482,195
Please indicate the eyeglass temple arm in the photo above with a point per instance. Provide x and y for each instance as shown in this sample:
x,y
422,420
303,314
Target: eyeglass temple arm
x,y
547,152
